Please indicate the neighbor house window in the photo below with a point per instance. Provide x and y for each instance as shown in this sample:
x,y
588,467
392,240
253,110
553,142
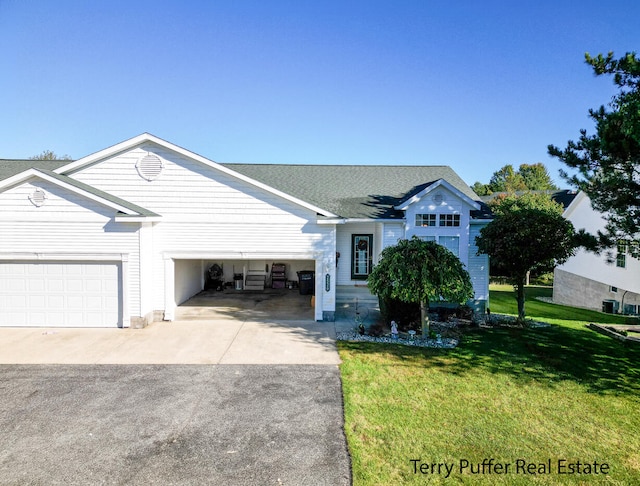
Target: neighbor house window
x,y
425,219
451,243
361,256
449,220
621,257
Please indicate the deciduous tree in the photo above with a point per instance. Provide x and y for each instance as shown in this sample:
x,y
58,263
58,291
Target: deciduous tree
x,y
49,155
527,239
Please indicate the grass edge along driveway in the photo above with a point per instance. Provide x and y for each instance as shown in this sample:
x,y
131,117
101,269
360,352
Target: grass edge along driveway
x,y
549,397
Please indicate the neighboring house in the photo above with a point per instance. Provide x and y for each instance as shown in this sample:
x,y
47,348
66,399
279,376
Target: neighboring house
x,y
607,282
125,235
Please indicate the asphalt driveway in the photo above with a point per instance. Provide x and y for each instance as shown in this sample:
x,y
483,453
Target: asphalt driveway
x,y
172,425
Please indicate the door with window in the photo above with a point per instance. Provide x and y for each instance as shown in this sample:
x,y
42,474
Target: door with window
x,y
361,256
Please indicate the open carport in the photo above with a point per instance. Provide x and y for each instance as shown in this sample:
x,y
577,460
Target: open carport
x,y
210,287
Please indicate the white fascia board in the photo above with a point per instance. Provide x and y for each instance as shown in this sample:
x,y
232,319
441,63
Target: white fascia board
x,y
147,137
27,174
375,220
331,221
61,256
240,255
440,182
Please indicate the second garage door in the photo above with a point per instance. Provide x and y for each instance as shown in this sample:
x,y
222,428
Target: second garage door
x,y
60,294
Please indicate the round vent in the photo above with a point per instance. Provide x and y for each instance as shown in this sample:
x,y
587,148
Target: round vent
x,y
438,198
149,167
37,197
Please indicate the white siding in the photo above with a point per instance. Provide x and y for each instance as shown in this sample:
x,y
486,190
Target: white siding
x,y
189,279
67,224
207,212
595,267
187,190
391,234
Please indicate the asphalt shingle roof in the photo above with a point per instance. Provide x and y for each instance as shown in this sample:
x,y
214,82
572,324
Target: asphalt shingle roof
x,y
350,191
353,191
9,168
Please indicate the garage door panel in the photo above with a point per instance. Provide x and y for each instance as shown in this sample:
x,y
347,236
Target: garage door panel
x,y
60,294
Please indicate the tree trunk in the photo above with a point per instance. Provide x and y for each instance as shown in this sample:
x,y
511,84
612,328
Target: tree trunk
x,y
424,318
520,296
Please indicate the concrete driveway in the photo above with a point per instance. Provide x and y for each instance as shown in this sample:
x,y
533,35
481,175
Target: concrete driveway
x,y
219,341
172,425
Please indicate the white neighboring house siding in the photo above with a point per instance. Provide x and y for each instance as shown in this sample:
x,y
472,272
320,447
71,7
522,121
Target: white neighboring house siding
x,y
67,224
594,267
207,212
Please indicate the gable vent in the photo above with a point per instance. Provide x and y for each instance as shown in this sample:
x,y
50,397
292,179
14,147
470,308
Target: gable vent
x,y
438,198
37,197
149,167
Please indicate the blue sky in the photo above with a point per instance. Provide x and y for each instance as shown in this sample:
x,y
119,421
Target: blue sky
x,y
470,84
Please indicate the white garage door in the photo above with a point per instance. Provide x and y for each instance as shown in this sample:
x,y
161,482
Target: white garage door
x,y
59,294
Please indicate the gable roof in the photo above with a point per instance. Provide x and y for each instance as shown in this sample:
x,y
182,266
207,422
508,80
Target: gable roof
x,y
125,208
74,166
354,191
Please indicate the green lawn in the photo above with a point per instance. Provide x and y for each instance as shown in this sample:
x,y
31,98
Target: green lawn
x,y
557,393
502,301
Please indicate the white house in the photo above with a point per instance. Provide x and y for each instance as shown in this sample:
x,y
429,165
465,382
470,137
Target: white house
x,y
125,235
591,281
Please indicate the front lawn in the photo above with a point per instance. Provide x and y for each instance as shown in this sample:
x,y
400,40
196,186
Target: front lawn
x,y
536,395
502,300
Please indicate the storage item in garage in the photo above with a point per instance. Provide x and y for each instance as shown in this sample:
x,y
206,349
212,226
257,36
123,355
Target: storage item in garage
x,y
278,276
237,279
307,282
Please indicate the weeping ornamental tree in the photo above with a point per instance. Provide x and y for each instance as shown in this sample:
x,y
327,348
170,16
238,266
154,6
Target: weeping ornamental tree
x,y
417,271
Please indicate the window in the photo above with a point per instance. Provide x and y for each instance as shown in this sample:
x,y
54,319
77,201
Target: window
x,y
621,257
613,289
425,219
451,243
361,256
449,220
444,220
427,238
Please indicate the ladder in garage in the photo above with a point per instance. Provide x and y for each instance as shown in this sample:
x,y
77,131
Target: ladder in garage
x,y
255,280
